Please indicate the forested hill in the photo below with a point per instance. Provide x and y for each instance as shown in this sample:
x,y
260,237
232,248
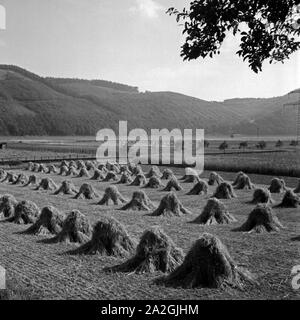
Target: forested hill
x,y
33,105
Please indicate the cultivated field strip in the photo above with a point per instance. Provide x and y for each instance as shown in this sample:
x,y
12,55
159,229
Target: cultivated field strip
x,y
47,269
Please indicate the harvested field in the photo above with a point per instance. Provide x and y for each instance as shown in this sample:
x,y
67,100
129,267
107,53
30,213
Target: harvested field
x,y
44,267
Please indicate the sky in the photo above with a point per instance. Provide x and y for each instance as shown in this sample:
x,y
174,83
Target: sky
x,y
129,41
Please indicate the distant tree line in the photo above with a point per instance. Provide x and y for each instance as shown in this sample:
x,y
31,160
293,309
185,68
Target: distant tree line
x,y
100,83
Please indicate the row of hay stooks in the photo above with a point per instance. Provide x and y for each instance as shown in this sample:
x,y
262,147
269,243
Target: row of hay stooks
x,y
207,263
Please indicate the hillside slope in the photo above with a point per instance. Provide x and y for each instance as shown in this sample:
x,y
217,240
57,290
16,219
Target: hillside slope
x,y
32,105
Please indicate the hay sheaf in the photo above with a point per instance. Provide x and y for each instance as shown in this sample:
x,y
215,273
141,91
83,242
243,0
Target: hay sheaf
x,y
72,172
42,168
110,176
208,264
67,187
214,212
297,189
32,181
7,206
277,186
102,168
125,169
261,219
190,175
261,195
191,179
156,251
3,174
139,201
114,167
64,163
243,182
224,191
10,177
98,175
86,191
167,174
214,178
30,166
139,180
72,163
153,172
170,206
26,212
136,170
125,178
83,173
131,167
47,184
290,200
199,188
173,184
63,170
236,180
36,167
80,164
51,169
154,183
76,228
89,165
21,180
112,194
110,238
50,221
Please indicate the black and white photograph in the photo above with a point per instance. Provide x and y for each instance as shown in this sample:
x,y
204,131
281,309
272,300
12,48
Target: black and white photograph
x,y
149,152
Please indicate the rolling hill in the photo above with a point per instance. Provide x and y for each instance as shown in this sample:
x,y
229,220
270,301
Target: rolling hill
x,y
33,105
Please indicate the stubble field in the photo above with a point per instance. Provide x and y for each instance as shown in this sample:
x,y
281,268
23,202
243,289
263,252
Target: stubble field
x,y
48,272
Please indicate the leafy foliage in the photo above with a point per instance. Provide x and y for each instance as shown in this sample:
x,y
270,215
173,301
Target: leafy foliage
x,y
268,29
100,83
